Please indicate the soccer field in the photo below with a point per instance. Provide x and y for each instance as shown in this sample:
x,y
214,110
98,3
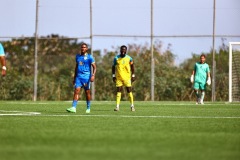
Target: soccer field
x,y
157,130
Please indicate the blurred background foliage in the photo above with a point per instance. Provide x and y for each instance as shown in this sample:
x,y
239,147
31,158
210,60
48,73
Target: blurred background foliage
x,y
56,62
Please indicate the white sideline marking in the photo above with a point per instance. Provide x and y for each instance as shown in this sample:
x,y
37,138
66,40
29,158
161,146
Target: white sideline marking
x,y
17,113
23,113
127,116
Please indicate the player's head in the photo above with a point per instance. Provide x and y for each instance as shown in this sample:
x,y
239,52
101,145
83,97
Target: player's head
x,y
123,50
84,48
202,58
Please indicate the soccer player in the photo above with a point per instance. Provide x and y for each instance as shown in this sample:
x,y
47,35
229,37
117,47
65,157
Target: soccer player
x,y
200,76
3,60
123,75
85,71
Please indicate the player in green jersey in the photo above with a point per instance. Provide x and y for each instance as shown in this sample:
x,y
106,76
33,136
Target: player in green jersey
x,y
200,77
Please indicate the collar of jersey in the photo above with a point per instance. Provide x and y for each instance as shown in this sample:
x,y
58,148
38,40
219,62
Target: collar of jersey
x,y
84,54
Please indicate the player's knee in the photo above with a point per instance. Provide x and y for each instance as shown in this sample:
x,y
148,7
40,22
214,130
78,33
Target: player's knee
x,y
77,90
119,89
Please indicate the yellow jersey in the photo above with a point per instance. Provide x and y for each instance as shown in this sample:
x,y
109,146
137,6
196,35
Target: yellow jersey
x,y
122,67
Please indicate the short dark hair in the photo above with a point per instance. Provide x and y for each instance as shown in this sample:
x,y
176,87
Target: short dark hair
x,y
203,55
84,44
123,46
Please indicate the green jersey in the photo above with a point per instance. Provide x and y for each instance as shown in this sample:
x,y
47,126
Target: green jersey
x,y
201,71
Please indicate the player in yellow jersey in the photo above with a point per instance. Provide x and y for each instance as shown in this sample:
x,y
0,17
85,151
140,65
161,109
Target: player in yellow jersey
x,y
123,75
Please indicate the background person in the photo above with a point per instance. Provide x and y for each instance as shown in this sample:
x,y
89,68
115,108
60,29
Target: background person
x,y
200,76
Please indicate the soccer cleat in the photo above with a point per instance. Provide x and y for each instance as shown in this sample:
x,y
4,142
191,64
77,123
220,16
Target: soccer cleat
x,y
72,110
88,111
198,101
132,109
116,109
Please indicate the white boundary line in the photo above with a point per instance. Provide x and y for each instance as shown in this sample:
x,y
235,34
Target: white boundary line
x,y
23,113
17,113
129,116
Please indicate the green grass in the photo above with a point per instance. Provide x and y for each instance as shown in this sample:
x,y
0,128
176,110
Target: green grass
x,y
157,130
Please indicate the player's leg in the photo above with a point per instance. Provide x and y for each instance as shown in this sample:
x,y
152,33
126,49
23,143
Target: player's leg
x,y
196,91
203,88
75,100
87,85
130,96
202,96
88,100
77,90
119,84
128,84
118,98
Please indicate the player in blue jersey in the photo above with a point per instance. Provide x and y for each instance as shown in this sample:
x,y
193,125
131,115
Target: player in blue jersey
x,y
85,71
3,60
200,77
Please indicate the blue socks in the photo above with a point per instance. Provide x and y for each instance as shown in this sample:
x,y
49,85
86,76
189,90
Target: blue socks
x,y
74,103
88,104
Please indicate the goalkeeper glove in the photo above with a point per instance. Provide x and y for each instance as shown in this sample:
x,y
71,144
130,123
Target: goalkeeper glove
x,y
209,81
191,79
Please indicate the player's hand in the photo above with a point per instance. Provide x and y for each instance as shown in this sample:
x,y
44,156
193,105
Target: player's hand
x,y
209,81
92,78
191,79
3,72
133,79
114,79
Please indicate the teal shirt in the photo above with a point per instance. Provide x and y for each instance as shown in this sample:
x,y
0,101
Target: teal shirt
x,y
2,53
201,71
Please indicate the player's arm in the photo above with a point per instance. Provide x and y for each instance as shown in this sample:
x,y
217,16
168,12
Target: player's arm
x,y
94,69
192,76
3,63
75,74
209,78
114,70
132,71
113,73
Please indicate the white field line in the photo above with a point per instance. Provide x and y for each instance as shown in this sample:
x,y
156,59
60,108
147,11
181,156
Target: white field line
x,y
23,113
129,116
17,113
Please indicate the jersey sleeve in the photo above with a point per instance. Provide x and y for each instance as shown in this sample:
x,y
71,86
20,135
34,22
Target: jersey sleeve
x,y
114,61
208,69
2,53
131,60
92,59
195,67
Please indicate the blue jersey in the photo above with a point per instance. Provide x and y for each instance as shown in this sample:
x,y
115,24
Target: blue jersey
x,y
2,53
84,63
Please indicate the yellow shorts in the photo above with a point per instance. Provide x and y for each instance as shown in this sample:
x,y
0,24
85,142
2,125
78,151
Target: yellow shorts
x,y
126,83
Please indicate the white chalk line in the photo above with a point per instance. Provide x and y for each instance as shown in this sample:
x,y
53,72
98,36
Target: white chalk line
x,y
24,113
17,113
129,116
